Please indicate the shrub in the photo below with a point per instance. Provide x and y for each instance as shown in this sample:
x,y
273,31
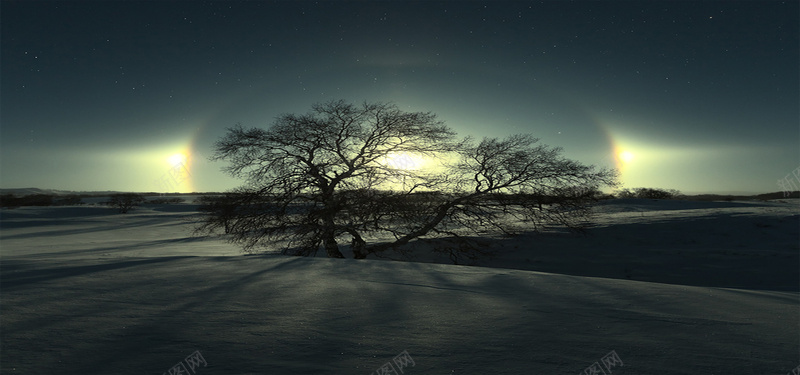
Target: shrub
x,y
648,193
124,202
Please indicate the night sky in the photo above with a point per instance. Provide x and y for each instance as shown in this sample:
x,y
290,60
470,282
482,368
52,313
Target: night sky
x,y
700,96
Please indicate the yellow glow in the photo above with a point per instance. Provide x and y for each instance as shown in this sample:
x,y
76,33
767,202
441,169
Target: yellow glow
x,y
404,161
164,168
626,156
177,159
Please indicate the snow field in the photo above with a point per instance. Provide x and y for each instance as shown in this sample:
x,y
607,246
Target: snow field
x,y
84,290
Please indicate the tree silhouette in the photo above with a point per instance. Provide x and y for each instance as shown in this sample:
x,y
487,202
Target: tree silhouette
x,y
124,202
316,179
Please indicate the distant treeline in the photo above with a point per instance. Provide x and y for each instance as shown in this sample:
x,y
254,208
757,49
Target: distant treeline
x,y
652,193
11,200
760,197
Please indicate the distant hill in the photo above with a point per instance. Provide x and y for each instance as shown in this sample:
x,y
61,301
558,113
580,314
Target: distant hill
x,y
36,191
21,192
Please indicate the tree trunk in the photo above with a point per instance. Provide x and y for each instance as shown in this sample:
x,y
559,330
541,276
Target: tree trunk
x,y
331,247
328,214
423,230
442,212
359,248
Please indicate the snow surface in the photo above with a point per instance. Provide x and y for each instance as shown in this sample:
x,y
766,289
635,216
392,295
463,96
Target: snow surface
x,y
673,287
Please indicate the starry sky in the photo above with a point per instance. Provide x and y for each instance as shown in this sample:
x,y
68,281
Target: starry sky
x,y
699,96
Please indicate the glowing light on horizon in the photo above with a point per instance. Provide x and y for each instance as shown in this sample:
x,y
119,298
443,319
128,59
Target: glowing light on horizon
x,y
626,156
177,176
177,159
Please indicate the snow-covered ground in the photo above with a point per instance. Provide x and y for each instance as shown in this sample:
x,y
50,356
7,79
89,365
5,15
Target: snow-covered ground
x,y
671,287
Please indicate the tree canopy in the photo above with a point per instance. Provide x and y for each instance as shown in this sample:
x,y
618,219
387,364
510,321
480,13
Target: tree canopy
x,y
316,179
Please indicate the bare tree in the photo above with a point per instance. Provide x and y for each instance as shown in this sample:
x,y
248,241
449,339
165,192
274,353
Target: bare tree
x,y
316,179
124,202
